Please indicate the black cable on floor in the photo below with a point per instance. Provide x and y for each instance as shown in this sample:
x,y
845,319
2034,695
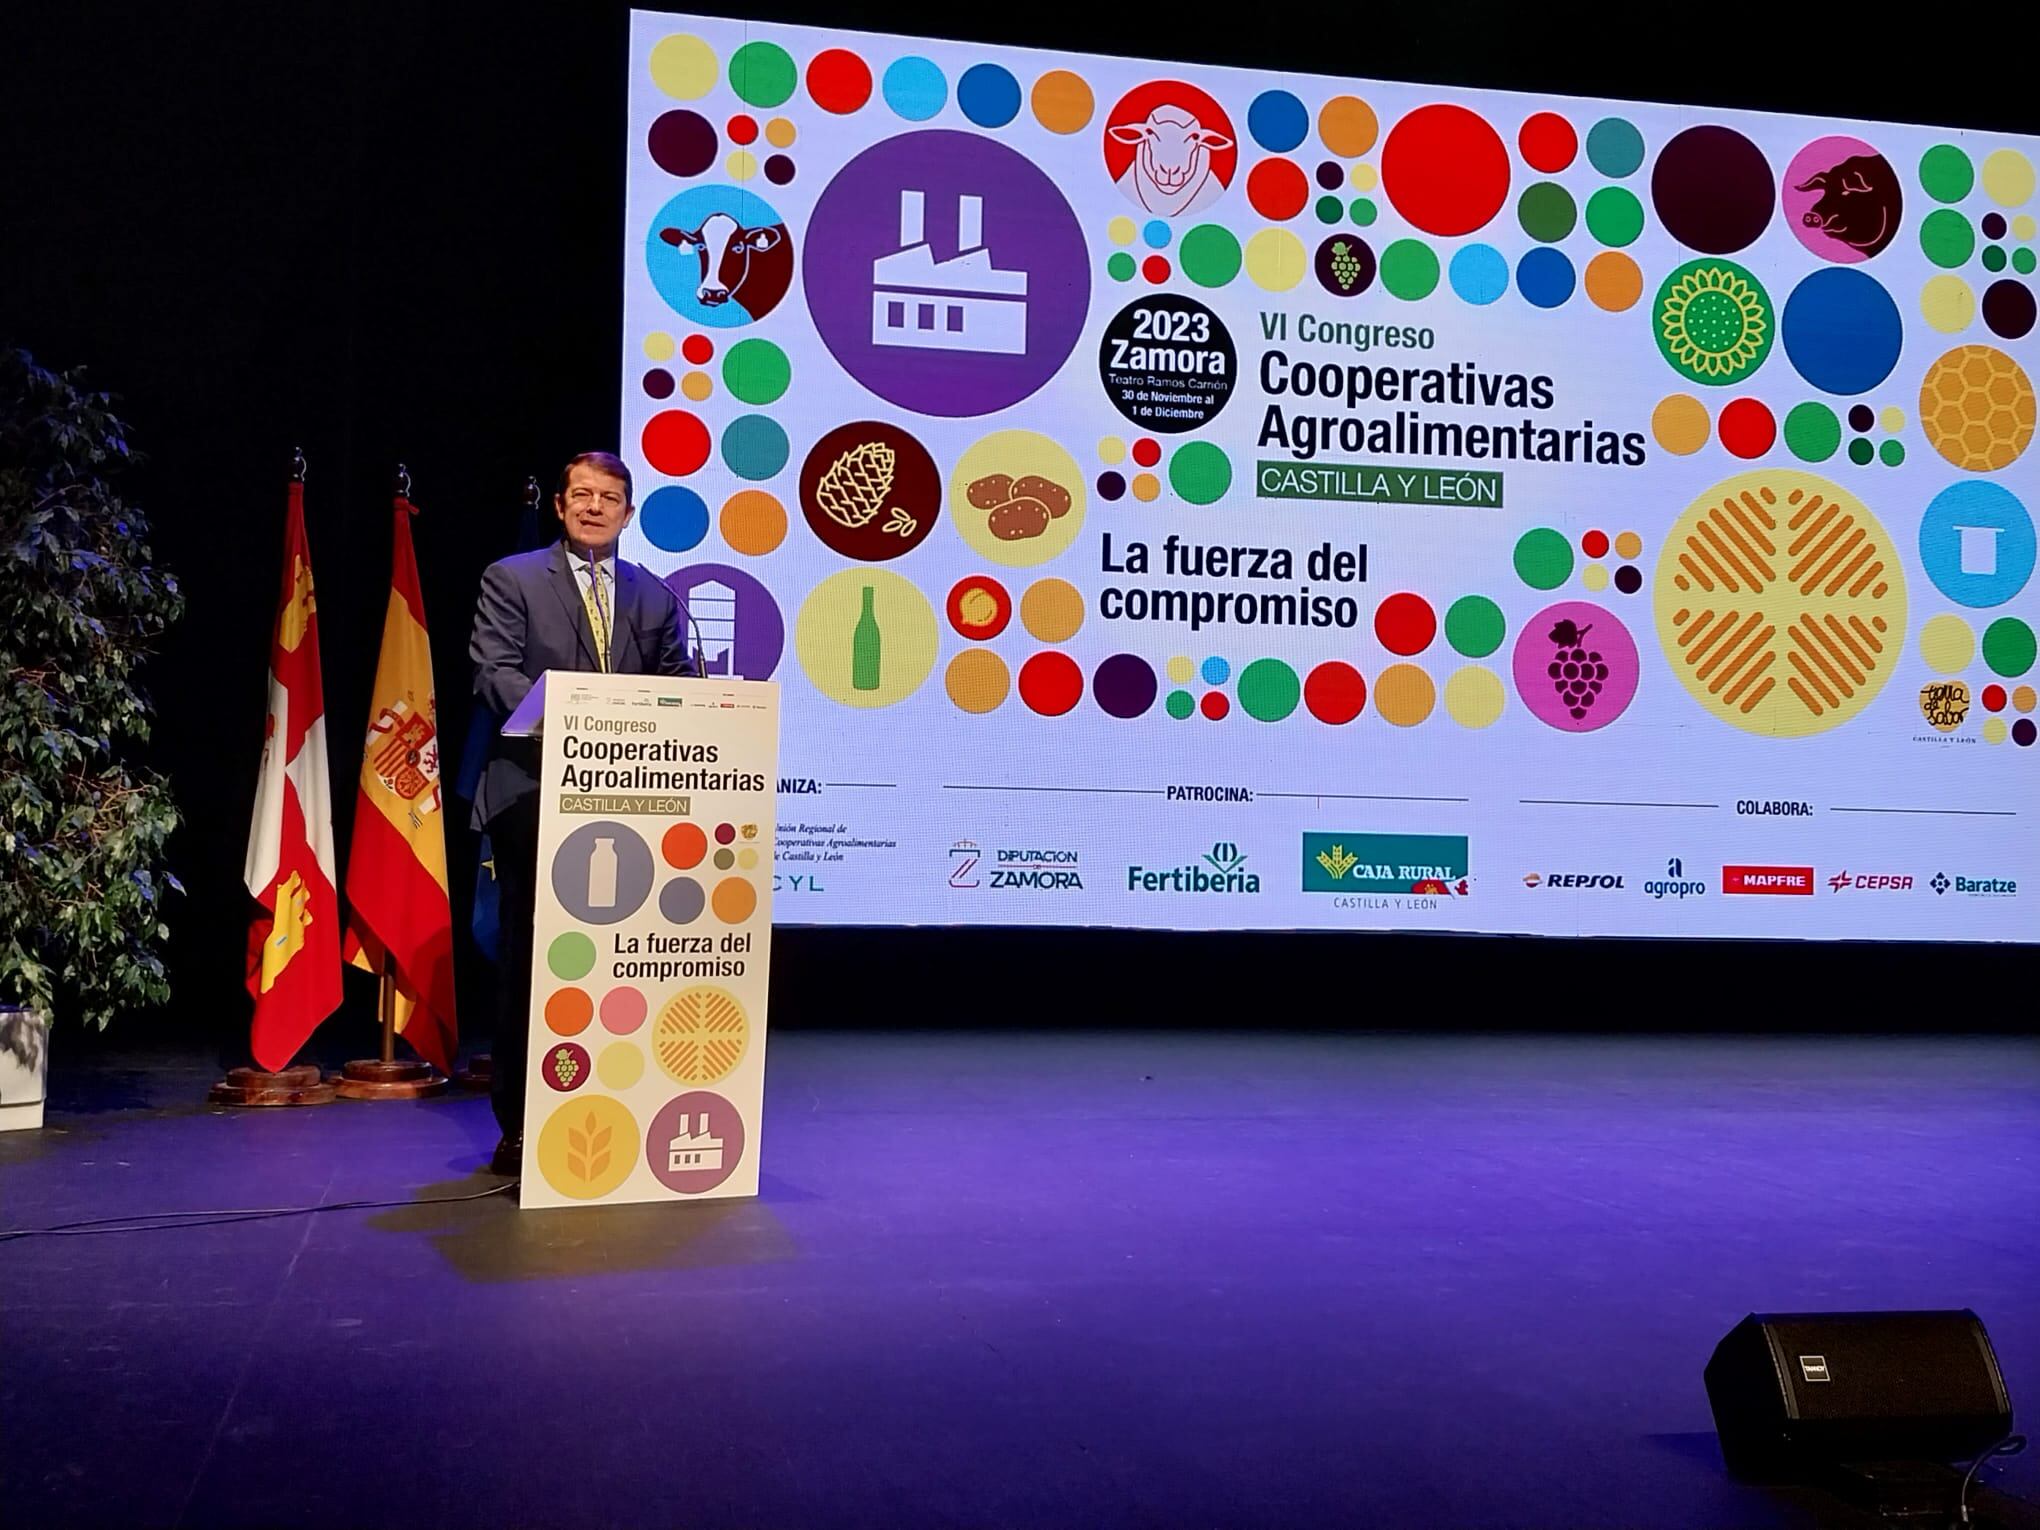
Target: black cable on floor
x,y
163,1221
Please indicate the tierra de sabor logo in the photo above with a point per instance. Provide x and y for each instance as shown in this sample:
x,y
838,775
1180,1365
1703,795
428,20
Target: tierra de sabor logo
x,y
1222,870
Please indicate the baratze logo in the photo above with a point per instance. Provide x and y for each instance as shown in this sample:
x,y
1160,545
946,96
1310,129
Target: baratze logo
x,y
1432,865
1582,881
1038,870
1974,887
1674,883
1222,870
1753,809
1782,881
1844,881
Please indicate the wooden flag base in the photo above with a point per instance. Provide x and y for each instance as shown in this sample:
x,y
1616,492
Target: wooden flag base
x,y
375,1079
479,1076
302,1085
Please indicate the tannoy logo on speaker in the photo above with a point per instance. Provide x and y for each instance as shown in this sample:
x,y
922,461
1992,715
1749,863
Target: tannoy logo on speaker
x,y
1814,1368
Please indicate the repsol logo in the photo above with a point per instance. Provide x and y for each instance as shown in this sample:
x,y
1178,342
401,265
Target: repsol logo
x,y
1597,881
1751,808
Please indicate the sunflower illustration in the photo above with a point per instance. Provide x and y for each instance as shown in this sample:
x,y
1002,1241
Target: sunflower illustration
x,y
1713,322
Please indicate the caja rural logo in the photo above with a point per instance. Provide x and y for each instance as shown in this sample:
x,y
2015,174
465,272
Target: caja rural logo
x,y
1432,865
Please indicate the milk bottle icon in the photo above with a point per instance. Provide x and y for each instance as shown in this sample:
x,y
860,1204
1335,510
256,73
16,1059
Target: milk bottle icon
x,y
1979,549
602,875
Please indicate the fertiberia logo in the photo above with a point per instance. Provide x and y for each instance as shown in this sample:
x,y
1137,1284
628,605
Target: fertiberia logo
x,y
1222,870
1431,864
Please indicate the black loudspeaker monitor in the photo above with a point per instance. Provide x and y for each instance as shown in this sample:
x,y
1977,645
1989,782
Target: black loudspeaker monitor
x,y
1795,1390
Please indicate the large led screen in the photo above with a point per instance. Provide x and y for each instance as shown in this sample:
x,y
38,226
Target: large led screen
x,y
1187,497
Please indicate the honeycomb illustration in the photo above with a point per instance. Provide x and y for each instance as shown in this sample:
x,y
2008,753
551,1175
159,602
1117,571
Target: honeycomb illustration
x,y
1976,405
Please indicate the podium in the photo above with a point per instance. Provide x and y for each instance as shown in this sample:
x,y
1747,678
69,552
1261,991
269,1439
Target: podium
x,y
652,943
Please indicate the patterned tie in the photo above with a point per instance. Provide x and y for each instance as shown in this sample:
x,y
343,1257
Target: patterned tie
x,y
598,605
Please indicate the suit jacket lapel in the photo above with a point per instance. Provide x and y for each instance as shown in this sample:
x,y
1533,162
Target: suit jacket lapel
x,y
569,591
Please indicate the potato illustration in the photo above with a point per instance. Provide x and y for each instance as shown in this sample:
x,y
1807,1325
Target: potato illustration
x,y
1019,519
989,492
1049,492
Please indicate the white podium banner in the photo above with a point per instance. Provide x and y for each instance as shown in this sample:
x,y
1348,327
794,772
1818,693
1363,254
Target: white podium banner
x,y
653,939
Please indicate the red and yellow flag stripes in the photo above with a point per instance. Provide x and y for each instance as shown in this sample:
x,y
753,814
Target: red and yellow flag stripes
x,y
399,913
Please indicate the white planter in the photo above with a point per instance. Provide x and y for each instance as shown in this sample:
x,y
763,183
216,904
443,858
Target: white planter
x,y
24,1068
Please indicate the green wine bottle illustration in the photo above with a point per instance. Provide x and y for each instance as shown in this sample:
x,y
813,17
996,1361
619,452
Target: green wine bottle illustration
x,y
864,646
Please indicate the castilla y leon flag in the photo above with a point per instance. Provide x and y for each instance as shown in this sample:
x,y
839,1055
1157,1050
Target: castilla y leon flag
x,y
400,918
294,943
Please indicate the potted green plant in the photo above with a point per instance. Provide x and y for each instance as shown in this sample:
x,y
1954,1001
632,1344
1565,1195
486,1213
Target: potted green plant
x,y
82,826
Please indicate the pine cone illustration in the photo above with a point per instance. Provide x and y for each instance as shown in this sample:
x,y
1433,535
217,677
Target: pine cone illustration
x,y
854,488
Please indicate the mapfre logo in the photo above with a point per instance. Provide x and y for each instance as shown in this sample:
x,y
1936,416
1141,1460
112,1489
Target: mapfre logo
x,y
1864,881
1780,881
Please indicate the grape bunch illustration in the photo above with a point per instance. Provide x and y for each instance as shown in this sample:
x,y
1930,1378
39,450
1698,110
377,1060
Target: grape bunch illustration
x,y
1345,264
566,1067
1577,673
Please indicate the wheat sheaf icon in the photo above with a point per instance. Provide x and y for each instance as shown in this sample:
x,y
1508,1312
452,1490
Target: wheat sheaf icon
x,y
854,488
1337,861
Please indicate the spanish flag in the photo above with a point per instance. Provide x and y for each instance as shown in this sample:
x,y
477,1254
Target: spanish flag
x,y
294,942
399,914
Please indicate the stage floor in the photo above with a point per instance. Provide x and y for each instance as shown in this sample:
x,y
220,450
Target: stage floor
x,y
1151,1280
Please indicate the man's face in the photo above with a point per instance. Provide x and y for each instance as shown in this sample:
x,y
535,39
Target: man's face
x,y
594,509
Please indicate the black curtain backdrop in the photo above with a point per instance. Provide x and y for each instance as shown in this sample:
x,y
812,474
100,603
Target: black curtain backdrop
x,y
389,231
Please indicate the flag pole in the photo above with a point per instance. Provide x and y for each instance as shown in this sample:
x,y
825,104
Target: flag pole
x,y
299,1083
387,1078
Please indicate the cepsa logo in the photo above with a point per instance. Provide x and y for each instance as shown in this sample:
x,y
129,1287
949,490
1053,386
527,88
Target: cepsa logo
x,y
1778,881
1861,881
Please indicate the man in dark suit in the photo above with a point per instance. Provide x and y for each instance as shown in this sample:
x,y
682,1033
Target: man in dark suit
x,y
574,605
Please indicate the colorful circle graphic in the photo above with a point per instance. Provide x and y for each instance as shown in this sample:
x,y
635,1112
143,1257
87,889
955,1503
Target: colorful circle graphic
x,y
1334,692
565,1066
1576,666
1124,686
1780,603
1977,543
1842,331
1404,695
946,273
977,680
1017,498
866,637
1051,684
570,957
602,872
1445,169
1977,408
719,256
1712,189
870,491
1842,199
1713,322
732,617
979,607
700,1035
1170,148
694,1143
1268,690
587,1147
